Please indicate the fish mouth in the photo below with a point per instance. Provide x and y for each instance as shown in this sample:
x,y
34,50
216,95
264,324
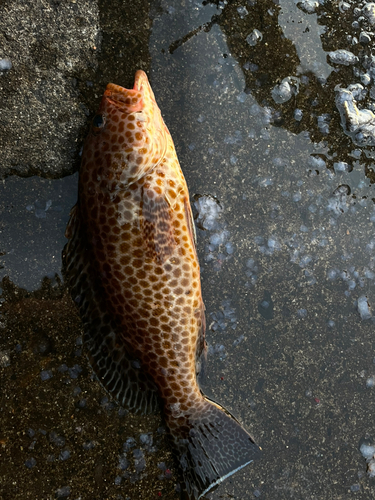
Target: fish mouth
x,y
130,100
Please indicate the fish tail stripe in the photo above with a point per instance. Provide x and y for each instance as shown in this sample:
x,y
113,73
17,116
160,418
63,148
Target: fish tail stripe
x,y
223,478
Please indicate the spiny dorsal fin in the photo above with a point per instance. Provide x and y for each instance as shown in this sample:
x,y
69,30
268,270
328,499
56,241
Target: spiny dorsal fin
x,y
117,370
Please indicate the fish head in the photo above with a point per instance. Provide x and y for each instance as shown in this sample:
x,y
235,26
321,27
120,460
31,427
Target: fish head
x,y
128,137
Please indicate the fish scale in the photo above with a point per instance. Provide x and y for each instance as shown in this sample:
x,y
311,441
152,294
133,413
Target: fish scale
x,y
132,268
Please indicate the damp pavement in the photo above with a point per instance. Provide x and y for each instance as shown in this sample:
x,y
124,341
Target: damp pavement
x,y
271,105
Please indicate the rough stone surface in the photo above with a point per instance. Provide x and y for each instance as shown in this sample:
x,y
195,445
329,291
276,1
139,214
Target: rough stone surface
x,y
59,52
42,116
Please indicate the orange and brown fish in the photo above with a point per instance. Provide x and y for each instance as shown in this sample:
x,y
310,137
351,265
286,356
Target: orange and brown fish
x,y
132,268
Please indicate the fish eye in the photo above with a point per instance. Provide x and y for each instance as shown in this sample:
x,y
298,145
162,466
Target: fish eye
x,y
98,121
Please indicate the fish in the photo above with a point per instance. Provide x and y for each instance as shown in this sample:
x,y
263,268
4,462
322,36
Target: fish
x,y
132,269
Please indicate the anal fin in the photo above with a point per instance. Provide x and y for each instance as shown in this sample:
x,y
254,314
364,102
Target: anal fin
x,y
201,352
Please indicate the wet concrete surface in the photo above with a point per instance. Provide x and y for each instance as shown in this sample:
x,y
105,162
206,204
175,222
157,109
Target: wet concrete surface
x,y
287,256
35,212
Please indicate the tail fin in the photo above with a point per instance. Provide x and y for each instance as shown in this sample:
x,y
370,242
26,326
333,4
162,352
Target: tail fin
x,y
212,447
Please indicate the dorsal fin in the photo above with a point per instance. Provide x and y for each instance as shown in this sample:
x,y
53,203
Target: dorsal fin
x,y
118,371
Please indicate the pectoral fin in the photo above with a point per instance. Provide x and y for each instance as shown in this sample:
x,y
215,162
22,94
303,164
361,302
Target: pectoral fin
x,y
156,224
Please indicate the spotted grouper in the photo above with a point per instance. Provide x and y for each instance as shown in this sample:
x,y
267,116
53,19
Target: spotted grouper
x,y
132,268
